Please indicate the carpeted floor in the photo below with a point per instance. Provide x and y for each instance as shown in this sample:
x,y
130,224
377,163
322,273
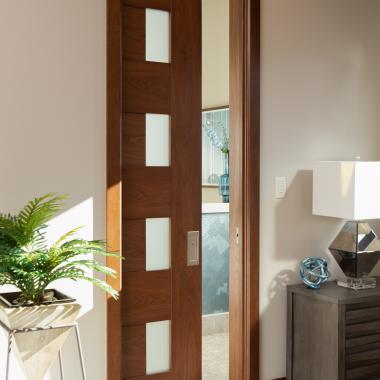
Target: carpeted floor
x,y
215,357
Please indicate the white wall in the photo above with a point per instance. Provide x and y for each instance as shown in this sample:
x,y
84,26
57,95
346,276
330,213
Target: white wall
x,y
320,100
53,130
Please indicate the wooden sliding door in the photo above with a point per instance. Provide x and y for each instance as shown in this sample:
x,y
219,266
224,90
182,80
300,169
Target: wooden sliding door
x,y
158,182
154,188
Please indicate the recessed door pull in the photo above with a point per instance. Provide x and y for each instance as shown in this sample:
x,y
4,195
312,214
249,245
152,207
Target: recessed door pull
x,y
192,248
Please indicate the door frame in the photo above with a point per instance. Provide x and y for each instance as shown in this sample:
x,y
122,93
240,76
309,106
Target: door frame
x,y
245,187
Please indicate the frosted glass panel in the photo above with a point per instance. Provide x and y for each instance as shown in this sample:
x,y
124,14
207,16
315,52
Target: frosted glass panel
x,y
157,36
157,244
158,347
157,140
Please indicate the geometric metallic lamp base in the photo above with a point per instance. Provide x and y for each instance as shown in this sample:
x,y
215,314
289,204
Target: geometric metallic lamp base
x,y
356,249
358,283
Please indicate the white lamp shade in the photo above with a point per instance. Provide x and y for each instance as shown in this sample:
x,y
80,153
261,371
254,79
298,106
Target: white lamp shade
x,y
347,189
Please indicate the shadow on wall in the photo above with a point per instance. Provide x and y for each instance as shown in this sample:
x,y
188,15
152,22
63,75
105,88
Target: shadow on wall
x,y
276,296
299,233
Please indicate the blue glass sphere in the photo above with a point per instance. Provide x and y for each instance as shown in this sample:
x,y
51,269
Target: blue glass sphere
x,y
314,272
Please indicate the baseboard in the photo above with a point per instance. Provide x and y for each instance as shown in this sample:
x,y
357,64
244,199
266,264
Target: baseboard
x,y
281,378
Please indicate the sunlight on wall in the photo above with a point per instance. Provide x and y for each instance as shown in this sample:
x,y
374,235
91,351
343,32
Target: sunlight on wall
x,y
53,135
79,215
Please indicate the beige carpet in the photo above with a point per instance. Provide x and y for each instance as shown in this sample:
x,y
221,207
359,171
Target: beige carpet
x,y
215,357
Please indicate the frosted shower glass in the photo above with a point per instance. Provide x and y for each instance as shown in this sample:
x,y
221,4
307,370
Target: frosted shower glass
x,y
158,347
157,244
157,140
157,35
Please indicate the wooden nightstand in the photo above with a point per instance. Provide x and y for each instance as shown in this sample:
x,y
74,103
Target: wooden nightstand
x,y
333,333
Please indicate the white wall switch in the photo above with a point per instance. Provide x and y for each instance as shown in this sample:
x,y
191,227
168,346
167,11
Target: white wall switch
x,y
280,187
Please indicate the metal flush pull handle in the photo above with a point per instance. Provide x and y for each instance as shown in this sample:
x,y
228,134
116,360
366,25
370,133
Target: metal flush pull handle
x,y
192,248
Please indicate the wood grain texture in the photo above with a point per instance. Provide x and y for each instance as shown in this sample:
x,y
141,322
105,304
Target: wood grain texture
x,y
186,153
134,245
315,359
363,315
159,376
134,349
245,188
114,345
367,328
173,89
363,359
341,342
133,131
364,373
290,337
361,343
147,297
330,292
146,87
347,345
154,4
176,89
364,348
148,194
133,37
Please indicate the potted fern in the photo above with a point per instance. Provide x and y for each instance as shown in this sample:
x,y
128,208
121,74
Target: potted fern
x,y
29,264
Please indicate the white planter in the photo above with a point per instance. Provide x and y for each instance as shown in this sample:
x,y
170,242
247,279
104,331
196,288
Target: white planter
x,y
37,350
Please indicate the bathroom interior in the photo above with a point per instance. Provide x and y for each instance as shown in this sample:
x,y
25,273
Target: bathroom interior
x,y
215,189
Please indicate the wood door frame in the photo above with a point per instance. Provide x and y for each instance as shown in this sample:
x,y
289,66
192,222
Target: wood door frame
x,y
245,189
245,186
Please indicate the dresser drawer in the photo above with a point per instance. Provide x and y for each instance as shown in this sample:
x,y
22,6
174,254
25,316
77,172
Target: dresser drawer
x,y
362,329
364,373
362,361
362,343
362,314
333,333
362,320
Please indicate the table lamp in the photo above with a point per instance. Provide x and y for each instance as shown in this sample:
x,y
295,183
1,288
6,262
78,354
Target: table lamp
x,y
350,190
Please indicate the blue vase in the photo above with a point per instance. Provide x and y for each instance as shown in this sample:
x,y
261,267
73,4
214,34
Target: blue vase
x,y
224,179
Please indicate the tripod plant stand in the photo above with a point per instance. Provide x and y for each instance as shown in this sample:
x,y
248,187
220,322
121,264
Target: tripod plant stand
x,y
12,333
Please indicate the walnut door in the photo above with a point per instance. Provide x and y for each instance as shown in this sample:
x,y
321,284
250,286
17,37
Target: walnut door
x,y
161,189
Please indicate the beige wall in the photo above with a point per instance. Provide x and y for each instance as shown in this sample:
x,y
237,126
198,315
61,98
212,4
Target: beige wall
x,y
211,195
320,100
53,130
215,65
320,95
215,53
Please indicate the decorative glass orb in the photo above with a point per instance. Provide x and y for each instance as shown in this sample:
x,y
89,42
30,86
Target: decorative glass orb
x,y
314,272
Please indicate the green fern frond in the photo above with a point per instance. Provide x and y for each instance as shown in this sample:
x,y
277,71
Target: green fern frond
x,y
27,263
66,236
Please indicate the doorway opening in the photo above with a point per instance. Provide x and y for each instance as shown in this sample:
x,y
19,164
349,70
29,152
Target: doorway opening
x,y
215,189
150,90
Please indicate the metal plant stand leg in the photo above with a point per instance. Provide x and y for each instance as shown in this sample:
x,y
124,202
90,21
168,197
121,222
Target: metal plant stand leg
x,y
80,352
61,365
9,348
12,333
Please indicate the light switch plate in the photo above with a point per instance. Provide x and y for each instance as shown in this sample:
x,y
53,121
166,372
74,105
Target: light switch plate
x,y
280,187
